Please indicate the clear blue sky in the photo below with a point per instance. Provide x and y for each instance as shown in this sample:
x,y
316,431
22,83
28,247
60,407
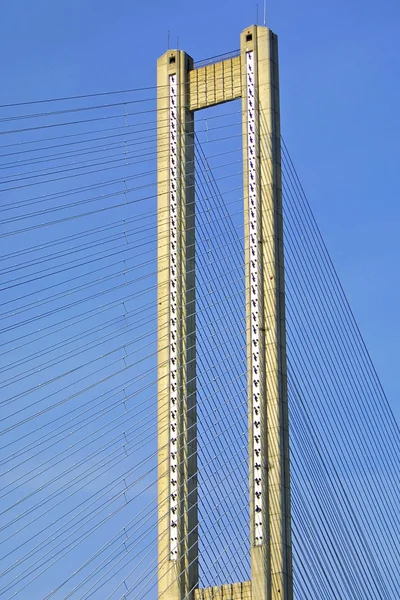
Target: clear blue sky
x,y
340,88
340,97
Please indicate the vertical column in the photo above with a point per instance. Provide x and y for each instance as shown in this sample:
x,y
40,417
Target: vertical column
x,y
270,528
177,434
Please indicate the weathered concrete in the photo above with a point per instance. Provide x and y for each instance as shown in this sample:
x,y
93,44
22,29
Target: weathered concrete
x,y
230,591
177,575
255,71
216,83
271,560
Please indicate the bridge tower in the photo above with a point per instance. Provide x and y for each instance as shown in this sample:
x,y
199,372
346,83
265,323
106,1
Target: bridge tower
x,y
182,90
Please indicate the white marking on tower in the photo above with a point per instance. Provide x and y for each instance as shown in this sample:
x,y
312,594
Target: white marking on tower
x,y
173,326
254,299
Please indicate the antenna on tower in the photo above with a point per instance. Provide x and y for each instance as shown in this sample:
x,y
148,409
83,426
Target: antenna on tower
x,y
265,13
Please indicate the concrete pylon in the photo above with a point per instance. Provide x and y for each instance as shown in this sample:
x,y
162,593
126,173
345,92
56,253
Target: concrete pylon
x,y
182,90
177,434
270,528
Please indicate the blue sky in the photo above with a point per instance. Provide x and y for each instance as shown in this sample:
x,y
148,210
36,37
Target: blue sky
x,y
340,94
